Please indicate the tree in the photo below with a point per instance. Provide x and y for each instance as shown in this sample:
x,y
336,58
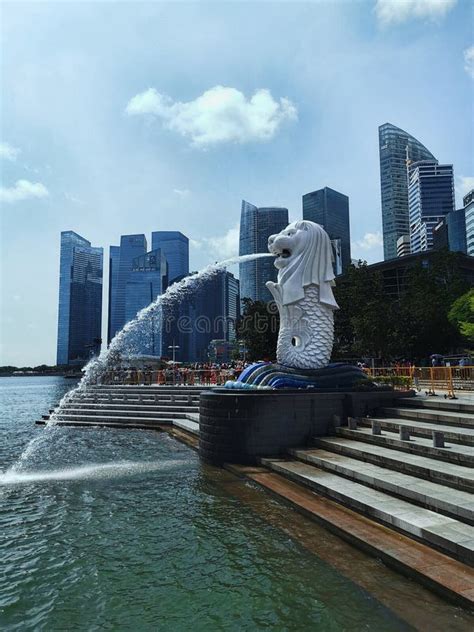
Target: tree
x,y
371,322
362,324
258,329
461,315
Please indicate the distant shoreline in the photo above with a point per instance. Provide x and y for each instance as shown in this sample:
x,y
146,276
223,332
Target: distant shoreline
x,y
52,374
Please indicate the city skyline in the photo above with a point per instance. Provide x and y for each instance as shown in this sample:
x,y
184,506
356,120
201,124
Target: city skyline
x,y
95,145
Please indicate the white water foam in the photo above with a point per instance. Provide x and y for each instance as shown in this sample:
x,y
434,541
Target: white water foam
x,y
103,470
122,344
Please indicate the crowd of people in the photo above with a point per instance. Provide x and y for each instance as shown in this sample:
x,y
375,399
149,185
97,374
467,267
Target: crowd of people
x,y
208,373
217,373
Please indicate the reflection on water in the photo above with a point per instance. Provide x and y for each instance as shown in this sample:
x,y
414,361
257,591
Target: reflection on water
x,y
105,470
125,530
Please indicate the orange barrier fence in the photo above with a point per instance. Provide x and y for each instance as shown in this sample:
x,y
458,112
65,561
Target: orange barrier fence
x,y
438,378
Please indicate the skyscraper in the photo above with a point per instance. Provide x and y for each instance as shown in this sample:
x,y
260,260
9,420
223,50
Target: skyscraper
x,y
131,247
396,147
456,222
214,309
208,312
175,247
330,209
114,263
256,225
80,299
430,199
468,202
145,283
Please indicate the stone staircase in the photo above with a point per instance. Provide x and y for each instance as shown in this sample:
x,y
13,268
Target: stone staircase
x,y
144,407
408,483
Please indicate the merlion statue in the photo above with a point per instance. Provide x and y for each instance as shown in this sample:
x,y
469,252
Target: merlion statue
x,y
303,294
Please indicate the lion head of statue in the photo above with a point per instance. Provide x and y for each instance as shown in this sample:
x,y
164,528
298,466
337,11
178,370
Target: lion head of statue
x,y
303,256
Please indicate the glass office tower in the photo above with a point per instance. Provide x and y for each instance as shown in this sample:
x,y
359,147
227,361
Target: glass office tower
x,y
396,147
209,312
456,223
121,258
330,209
256,226
175,247
114,262
430,200
214,311
145,283
468,202
80,300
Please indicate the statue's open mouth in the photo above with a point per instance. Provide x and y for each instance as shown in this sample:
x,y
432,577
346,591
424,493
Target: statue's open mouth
x,y
284,254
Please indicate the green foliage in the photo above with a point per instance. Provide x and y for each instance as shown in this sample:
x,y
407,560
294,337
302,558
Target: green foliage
x,y
401,382
258,329
371,323
461,315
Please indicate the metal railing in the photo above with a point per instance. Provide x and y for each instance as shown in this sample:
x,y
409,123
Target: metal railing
x,y
438,378
431,379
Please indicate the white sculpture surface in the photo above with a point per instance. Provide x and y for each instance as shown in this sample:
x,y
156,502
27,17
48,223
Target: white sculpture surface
x,y
303,294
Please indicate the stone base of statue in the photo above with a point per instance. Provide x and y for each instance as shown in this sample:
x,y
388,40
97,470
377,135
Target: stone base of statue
x,y
243,425
337,376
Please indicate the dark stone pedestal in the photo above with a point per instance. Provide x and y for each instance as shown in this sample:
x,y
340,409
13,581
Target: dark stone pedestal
x,y
241,426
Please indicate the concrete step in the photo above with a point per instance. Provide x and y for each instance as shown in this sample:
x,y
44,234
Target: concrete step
x,y
454,453
193,417
98,419
128,405
143,393
142,424
456,476
433,496
131,407
144,399
109,412
440,404
188,425
453,537
452,434
447,417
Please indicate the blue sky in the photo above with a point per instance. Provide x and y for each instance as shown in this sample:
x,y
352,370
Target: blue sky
x,y
131,117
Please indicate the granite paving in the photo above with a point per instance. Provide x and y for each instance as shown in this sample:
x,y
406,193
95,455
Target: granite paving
x,y
457,503
452,536
451,474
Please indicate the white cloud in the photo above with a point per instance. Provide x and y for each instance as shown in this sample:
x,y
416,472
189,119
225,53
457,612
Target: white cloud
x,y
23,190
369,241
398,11
219,115
8,152
469,61
221,247
181,192
464,184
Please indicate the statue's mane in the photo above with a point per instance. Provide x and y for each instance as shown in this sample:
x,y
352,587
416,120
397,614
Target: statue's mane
x,y
312,267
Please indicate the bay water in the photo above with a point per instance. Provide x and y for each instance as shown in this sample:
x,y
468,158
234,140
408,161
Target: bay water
x,y
106,529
